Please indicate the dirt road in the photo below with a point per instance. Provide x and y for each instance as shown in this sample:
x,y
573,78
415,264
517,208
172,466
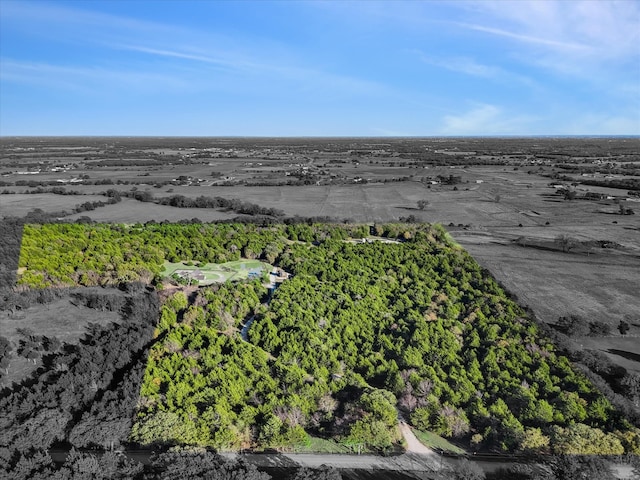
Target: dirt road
x,y
413,444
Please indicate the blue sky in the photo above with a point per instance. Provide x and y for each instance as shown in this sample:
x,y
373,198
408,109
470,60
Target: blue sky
x,y
319,68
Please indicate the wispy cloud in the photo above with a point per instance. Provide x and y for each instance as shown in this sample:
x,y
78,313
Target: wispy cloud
x,y
58,20
600,30
304,78
485,119
230,62
87,80
594,42
564,45
469,66
256,64
174,54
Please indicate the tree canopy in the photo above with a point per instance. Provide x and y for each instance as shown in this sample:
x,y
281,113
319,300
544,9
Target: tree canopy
x,y
360,332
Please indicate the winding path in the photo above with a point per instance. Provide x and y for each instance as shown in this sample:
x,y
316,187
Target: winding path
x,y
413,444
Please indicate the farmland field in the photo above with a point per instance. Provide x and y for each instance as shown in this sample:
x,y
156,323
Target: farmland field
x,y
141,213
21,204
602,284
509,203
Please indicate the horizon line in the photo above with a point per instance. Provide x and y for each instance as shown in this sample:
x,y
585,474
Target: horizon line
x,y
2,137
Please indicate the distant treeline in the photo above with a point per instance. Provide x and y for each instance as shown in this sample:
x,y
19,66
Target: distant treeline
x,y
623,169
202,201
233,204
180,201
130,162
625,183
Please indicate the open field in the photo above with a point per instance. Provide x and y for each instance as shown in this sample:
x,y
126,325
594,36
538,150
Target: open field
x,y
64,318
138,212
20,204
600,285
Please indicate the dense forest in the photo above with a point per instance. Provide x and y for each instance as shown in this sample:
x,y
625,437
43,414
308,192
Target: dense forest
x,y
362,332
76,254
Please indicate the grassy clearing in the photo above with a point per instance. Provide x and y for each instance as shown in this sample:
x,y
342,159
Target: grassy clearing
x,y
321,445
434,441
219,272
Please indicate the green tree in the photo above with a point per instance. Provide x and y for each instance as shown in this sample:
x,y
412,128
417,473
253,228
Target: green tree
x,y
580,439
534,440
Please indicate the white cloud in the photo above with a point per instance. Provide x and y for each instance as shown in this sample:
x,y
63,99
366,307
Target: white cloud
x,y
488,119
593,30
484,119
596,43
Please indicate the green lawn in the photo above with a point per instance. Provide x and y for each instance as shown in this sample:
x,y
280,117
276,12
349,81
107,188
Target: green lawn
x,y
321,445
218,272
434,441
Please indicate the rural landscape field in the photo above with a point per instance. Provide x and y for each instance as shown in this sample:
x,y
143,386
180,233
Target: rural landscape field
x,y
320,308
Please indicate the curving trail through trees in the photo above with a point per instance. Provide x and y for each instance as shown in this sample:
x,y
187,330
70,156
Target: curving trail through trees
x,y
413,444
